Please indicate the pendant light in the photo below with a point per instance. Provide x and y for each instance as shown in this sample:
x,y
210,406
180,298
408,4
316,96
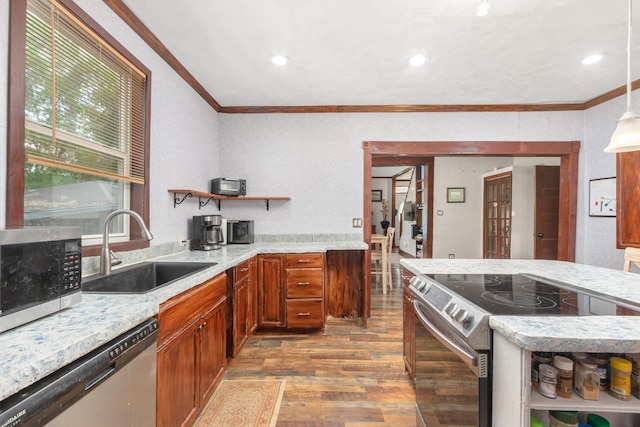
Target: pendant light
x,y
627,134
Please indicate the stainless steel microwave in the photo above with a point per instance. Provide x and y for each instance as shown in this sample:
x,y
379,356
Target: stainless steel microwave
x,y
40,273
239,231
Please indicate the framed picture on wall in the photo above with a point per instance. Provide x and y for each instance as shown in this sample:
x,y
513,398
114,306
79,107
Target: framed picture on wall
x,y
376,195
602,197
455,195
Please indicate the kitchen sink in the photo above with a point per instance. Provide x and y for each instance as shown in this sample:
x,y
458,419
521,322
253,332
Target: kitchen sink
x,y
141,278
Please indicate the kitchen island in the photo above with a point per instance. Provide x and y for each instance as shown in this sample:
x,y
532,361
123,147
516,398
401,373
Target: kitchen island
x,y
33,351
515,337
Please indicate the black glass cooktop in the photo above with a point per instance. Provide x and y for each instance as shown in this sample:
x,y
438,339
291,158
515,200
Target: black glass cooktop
x,y
516,295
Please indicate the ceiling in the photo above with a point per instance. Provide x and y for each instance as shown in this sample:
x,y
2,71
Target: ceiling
x,y
355,52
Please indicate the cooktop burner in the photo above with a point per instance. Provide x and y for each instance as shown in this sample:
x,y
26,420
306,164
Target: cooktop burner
x,y
511,294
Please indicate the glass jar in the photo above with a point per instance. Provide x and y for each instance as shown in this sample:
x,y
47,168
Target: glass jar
x,y
537,359
548,381
564,365
586,379
620,385
602,359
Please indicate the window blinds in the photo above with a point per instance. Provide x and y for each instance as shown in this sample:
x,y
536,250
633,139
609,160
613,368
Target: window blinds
x,y
84,102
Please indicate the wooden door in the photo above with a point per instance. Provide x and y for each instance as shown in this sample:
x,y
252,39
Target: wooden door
x,y
176,380
212,354
497,216
271,297
547,206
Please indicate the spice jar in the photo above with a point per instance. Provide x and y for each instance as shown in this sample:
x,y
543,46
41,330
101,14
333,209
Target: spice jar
x,y
635,373
563,418
548,381
602,359
596,420
538,358
564,386
586,379
620,385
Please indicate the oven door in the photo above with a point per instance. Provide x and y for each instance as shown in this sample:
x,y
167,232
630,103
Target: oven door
x,y
453,384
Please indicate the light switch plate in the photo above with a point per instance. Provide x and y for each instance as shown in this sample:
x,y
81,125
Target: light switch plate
x,y
356,223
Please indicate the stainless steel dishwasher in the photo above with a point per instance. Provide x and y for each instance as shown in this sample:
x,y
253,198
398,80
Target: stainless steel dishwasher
x,y
114,385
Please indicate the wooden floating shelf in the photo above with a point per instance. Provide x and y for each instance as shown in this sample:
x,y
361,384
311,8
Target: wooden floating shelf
x,y
217,198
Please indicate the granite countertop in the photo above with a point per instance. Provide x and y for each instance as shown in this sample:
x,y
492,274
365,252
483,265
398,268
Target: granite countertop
x,y
32,351
554,333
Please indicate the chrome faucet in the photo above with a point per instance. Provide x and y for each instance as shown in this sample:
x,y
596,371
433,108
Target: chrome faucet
x,y
105,256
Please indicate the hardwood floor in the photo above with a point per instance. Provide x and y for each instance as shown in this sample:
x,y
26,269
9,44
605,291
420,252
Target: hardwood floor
x,y
345,376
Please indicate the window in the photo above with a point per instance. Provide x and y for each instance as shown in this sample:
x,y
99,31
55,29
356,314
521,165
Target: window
x,y
80,150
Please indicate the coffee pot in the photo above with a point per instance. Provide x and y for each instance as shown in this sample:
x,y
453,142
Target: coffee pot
x,y
207,232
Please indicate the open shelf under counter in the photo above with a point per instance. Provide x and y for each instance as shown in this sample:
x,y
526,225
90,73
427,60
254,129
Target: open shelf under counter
x,y
606,403
204,198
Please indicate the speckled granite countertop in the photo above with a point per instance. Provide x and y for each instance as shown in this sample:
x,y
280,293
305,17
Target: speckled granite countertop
x,y
552,333
34,350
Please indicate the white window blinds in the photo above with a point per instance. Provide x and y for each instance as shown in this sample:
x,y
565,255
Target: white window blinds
x,y
84,102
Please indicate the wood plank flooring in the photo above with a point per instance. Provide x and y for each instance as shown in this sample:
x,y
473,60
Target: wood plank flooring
x,y
346,376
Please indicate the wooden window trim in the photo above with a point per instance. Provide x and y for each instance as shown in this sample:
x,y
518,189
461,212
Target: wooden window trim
x,y
16,124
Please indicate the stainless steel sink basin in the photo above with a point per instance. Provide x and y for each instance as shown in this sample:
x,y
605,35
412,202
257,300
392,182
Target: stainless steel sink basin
x,y
141,278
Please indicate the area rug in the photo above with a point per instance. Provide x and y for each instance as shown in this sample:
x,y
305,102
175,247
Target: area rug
x,y
240,403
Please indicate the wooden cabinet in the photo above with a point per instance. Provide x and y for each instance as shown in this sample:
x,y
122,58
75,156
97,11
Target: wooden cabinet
x,y
628,200
305,289
252,305
271,295
191,351
408,326
291,290
242,306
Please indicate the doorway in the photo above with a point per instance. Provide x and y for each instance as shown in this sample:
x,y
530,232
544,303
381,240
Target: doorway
x,y
405,151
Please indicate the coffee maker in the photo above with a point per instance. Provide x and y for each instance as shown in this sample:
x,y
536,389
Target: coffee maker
x,y
207,232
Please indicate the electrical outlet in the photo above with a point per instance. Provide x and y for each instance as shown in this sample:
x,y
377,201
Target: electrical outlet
x,y
452,256
356,222
439,212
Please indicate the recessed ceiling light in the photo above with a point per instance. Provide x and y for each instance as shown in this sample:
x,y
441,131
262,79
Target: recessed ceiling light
x,y
279,60
592,59
417,60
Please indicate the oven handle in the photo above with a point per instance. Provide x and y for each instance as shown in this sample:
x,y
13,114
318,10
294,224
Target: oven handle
x,y
468,357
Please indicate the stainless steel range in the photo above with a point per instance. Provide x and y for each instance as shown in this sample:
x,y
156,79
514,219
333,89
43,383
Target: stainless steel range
x,y
454,340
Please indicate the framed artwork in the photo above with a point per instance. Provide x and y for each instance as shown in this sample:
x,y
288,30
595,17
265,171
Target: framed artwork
x,y
602,197
376,195
455,195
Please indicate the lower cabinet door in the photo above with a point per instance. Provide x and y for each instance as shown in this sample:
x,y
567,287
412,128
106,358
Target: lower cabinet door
x,y
303,313
212,354
176,381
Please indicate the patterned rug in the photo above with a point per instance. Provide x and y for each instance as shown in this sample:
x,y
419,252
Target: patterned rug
x,y
240,403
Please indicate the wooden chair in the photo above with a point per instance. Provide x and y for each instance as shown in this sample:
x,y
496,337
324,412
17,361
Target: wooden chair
x,y
631,255
384,257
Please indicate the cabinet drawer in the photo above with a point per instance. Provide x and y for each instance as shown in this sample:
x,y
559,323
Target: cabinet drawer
x,y
304,282
242,270
304,260
178,312
304,314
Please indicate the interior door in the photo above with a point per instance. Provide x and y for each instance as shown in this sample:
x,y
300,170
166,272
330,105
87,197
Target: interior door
x,y
546,212
497,216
